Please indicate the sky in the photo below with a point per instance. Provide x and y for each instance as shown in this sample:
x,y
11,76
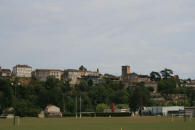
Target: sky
x,y
148,35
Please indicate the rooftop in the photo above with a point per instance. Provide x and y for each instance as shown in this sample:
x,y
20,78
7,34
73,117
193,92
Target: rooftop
x,y
6,70
23,66
48,70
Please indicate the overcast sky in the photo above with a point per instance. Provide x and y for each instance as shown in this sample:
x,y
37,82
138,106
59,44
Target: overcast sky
x,y
148,35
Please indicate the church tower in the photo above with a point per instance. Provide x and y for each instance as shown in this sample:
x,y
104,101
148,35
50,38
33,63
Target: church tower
x,y
125,70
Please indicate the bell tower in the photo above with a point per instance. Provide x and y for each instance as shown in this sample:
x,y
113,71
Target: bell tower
x,y
125,70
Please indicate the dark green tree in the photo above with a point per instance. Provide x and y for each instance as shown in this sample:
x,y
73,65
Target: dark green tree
x,y
139,98
167,86
166,73
6,94
155,76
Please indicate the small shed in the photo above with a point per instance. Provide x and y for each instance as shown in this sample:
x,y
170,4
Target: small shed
x,y
52,111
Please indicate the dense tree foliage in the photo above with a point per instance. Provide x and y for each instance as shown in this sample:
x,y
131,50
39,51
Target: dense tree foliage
x,y
167,86
6,94
140,97
37,95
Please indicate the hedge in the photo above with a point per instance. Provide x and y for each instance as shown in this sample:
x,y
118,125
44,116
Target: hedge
x,y
68,114
99,114
115,114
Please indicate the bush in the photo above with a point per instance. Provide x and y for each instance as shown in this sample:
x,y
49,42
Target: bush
x,y
25,109
89,114
101,107
99,114
8,111
118,114
68,114
122,106
151,89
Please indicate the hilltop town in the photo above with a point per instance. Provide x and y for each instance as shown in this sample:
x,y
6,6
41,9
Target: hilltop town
x,y
74,76
41,87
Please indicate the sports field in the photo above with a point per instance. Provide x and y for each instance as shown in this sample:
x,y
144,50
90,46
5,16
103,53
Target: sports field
x,y
98,123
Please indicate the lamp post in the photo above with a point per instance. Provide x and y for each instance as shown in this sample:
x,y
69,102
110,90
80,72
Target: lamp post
x,y
15,85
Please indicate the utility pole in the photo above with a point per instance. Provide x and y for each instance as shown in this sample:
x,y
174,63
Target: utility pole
x,y
63,102
76,107
15,108
184,107
15,85
80,106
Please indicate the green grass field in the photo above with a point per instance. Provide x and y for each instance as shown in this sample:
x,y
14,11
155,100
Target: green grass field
x,y
98,123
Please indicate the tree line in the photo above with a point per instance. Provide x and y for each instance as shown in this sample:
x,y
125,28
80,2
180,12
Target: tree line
x,y
29,100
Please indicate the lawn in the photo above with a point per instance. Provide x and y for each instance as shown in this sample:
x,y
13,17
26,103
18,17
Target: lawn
x,y
99,123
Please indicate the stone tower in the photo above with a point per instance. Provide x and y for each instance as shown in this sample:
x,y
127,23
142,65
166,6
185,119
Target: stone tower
x,y
125,70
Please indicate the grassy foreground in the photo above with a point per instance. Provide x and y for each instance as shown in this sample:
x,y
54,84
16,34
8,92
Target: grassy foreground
x,y
99,123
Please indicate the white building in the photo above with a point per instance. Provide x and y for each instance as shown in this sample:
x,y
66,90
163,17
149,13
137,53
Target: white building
x,y
53,111
158,110
23,71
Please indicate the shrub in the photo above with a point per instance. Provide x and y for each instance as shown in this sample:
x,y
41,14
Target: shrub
x,y
101,107
122,106
118,114
68,114
25,109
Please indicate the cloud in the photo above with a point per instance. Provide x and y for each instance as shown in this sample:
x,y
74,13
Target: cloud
x,y
148,35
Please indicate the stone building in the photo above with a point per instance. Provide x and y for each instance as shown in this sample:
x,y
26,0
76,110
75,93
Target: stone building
x,y
132,79
71,75
95,79
42,74
23,71
75,76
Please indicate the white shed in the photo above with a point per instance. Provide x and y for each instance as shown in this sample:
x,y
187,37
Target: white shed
x,y
163,110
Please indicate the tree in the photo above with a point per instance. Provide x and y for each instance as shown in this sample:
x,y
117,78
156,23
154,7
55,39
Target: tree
x,y
101,107
140,97
6,94
155,76
150,88
26,108
167,86
166,73
82,86
122,106
51,82
90,82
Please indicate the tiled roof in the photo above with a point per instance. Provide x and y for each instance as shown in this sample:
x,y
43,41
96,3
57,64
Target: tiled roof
x,y
23,66
48,70
6,70
72,70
